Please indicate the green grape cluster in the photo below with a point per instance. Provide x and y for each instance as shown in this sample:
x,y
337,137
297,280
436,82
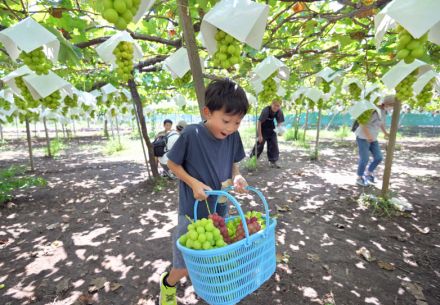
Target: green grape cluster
x,y
425,96
404,90
202,235
228,50
52,101
71,102
186,79
321,104
119,12
37,61
4,104
124,60
99,101
310,103
409,48
85,107
269,89
355,91
28,101
325,86
365,117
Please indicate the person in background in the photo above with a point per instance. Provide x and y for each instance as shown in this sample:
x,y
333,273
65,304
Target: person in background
x,y
366,138
205,157
172,137
167,125
266,132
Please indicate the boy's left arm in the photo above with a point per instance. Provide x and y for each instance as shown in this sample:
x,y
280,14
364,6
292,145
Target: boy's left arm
x,y
239,182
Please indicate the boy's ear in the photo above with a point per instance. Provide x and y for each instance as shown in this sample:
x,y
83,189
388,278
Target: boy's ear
x,y
206,112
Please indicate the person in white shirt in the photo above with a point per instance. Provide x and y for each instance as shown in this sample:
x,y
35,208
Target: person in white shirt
x,y
172,137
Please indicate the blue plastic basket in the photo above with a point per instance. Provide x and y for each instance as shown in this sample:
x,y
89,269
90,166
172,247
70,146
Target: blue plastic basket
x,y
224,276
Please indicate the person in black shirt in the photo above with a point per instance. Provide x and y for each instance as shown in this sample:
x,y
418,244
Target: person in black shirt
x,y
266,132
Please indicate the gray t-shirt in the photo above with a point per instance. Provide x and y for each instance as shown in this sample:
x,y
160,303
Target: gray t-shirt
x,y
208,160
373,125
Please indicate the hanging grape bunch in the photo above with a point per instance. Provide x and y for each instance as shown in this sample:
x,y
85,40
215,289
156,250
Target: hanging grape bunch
x,y
409,48
404,90
228,50
37,61
4,104
425,96
321,104
365,117
119,12
27,101
325,86
355,91
269,92
52,101
71,102
310,103
124,60
181,81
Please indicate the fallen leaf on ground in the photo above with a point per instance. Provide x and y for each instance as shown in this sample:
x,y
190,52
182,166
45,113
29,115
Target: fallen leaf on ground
x,y
386,266
415,290
365,253
97,284
282,258
313,257
115,286
283,208
425,230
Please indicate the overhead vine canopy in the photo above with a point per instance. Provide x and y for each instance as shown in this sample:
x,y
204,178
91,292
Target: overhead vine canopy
x,y
307,36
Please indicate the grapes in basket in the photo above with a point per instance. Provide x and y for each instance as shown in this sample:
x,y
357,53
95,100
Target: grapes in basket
x,y
202,235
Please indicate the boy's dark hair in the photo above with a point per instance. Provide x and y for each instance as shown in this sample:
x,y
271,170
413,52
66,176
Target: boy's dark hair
x,y
168,121
226,94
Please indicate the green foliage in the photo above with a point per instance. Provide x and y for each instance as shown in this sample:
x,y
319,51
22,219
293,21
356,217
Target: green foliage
x,y
343,132
289,135
160,183
379,206
112,147
14,178
56,145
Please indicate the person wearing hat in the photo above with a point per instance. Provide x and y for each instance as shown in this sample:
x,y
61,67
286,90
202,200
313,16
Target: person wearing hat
x,y
366,139
172,137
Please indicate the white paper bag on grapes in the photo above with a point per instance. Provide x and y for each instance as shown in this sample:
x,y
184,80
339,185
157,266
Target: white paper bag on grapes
x,y
107,90
28,35
96,93
369,89
352,80
244,20
177,63
281,92
126,93
8,95
10,78
314,94
400,71
179,100
41,86
252,99
360,107
423,80
417,17
329,75
257,84
105,49
269,66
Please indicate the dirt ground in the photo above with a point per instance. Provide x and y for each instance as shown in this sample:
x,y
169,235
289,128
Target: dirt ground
x,y
100,226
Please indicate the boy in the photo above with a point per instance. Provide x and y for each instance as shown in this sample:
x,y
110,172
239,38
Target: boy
x,y
205,157
167,124
266,132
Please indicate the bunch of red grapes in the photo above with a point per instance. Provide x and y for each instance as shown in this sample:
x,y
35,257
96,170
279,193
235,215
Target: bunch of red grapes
x,y
253,227
219,223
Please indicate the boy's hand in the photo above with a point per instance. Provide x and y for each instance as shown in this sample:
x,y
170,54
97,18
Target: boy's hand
x,y
199,189
239,184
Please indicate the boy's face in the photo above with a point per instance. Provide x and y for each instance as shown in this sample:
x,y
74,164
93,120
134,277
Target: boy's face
x,y
167,126
275,106
221,124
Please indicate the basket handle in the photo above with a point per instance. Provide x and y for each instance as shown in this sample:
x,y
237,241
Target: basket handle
x,y
234,202
259,194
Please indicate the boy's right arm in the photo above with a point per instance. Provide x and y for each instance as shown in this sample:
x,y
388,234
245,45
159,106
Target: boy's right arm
x,y
197,187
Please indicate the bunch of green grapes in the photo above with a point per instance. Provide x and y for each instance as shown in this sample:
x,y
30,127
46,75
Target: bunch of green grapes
x,y
355,91
52,101
325,86
202,235
37,61
28,100
119,12
321,104
310,103
404,90
124,60
71,102
186,79
425,96
99,101
4,104
409,48
365,117
270,89
228,50
110,99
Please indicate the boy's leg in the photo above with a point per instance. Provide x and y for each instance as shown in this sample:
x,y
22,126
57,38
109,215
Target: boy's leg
x,y
364,154
377,156
175,276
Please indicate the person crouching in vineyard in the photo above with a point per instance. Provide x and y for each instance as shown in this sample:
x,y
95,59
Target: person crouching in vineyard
x,y
369,124
266,132
205,157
